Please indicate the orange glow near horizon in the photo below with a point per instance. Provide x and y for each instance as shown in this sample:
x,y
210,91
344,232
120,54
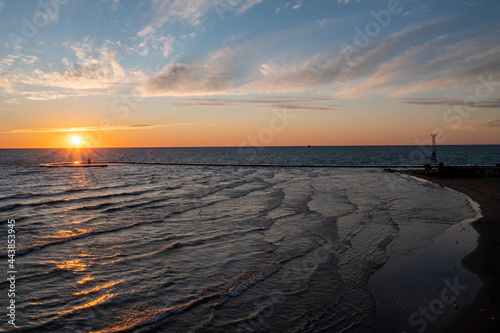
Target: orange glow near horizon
x,y
302,132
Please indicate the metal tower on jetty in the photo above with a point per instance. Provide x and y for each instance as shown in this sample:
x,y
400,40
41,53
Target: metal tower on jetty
x,y
433,149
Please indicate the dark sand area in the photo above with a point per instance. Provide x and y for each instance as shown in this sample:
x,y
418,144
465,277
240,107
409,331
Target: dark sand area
x,y
483,314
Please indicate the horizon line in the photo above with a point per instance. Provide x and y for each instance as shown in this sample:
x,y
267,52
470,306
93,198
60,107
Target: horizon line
x,y
291,146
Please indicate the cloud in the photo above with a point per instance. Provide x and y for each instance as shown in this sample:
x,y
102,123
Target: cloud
x,y
87,128
296,77
242,69
491,104
493,123
146,31
6,62
403,65
5,85
10,59
387,66
313,103
297,5
96,70
115,3
346,1
168,45
305,107
193,11
190,35
487,124
44,95
183,79
12,101
246,5
215,74
414,60
331,70
1,4
180,10
151,38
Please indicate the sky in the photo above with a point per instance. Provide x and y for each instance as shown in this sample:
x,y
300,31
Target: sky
x,y
177,73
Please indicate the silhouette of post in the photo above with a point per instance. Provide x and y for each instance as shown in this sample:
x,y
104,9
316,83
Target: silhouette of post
x,y
433,149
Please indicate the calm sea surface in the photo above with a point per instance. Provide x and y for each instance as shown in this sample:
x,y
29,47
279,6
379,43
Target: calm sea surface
x,y
155,248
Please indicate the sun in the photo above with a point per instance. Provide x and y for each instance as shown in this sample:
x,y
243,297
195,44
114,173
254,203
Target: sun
x,y
76,140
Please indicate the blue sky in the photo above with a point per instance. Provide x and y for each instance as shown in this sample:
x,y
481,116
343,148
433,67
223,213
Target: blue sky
x,y
172,72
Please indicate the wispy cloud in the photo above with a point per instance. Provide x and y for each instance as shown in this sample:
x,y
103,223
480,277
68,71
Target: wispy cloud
x,y
88,128
246,5
297,5
12,101
115,3
492,123
155,40
179,10
398,66
331,70
96,70
491,104
44,95
190,12
193,11
305,107
312,103
346,1
415,60
10,59
485,125
215,74
297,77
388,66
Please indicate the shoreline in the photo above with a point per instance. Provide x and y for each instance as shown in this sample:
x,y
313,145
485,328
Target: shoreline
x,y
483,313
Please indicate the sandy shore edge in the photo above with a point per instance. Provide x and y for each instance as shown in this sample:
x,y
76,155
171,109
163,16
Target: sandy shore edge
x,y
483,314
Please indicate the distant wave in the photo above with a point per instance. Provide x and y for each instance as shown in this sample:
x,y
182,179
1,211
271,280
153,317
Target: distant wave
x,y
78,199
240,287
174,245
70,238
136,205
156,315
221,188
97,232
236,289
277,201
94,207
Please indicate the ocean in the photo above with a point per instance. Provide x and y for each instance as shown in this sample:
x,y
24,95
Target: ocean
x,y
171,248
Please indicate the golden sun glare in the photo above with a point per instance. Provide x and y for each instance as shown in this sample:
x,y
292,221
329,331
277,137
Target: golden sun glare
x,y
76,140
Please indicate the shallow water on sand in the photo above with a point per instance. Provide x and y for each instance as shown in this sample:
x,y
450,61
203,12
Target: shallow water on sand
x,y
425,290
211,249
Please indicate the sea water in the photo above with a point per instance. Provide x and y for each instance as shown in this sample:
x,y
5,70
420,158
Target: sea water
x,y
155,248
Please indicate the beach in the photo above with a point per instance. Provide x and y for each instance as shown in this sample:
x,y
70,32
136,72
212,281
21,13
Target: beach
x,y
483,314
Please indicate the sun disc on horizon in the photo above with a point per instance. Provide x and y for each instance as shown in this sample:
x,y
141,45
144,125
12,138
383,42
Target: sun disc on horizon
x,y
76,140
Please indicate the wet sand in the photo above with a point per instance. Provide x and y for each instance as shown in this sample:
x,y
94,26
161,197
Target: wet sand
x,y
483,314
